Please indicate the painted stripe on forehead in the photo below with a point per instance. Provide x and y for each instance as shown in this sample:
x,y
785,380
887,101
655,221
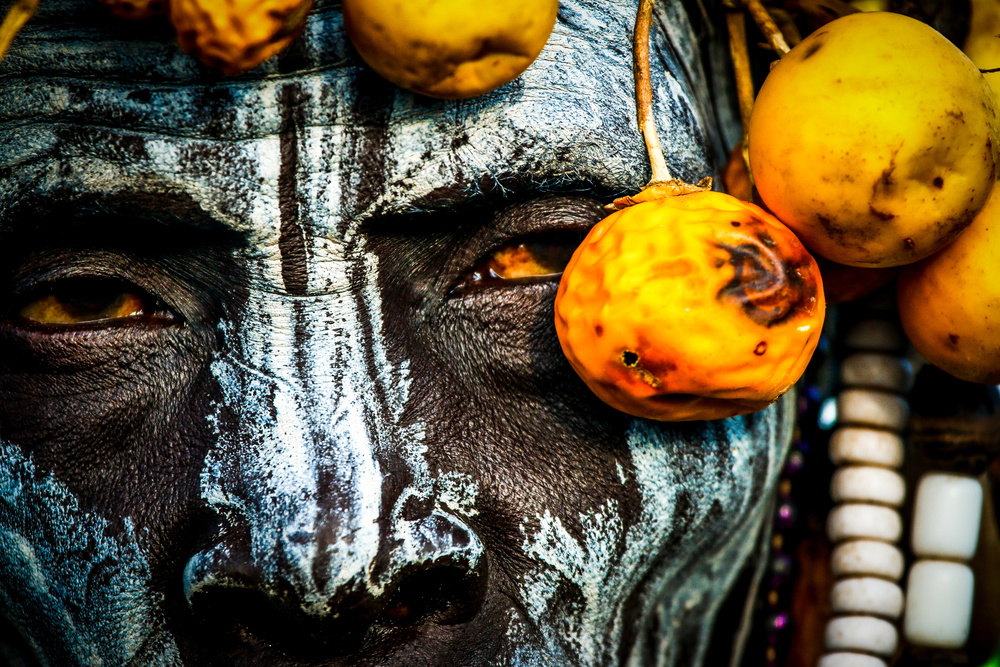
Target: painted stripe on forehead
x,y
291,241
569,119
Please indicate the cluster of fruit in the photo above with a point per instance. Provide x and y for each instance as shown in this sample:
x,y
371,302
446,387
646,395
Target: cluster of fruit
x,y
887,158
228,35
452,49
875,143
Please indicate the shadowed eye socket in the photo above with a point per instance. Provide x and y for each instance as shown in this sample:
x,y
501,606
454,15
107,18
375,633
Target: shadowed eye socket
x,y
532,259
91,301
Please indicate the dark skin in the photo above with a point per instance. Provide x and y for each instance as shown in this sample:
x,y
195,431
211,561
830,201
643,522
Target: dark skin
x,y
323,441
143,461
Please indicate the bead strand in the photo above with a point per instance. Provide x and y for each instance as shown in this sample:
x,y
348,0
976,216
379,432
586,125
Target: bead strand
x,y
954,435
865,524
946,516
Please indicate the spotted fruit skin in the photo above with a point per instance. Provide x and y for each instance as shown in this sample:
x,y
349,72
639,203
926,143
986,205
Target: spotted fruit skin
x,y
449,48
236,35
949,304
875,139
698,306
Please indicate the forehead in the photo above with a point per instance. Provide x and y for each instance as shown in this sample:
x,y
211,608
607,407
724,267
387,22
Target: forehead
x,y
111,108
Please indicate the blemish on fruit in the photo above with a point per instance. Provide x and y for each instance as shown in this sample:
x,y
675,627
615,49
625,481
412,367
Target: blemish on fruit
x,y
909,243
953,338
881,215
761,348
599,330
811,51
734,223
630,359
766,286
939,182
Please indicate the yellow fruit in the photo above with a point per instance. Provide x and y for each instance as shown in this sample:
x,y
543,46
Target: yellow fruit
x,y
950,303
875,139
982,44
697,306
236,35
449,48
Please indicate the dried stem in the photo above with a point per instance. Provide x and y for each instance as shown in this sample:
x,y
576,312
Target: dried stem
x,y
736,22
17,16
767,26
644,93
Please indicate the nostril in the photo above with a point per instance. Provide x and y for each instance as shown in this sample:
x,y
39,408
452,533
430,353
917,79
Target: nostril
x,y
441,594
231,619
236,610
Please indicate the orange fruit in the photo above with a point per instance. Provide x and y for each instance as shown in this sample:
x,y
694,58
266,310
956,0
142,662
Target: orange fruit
x,y
949,304
698,306
236,35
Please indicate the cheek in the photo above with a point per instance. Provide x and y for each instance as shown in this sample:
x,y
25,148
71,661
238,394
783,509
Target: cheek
x,y
74,583
600,577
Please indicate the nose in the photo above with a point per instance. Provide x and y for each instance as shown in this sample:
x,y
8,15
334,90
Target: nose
x,y
430,570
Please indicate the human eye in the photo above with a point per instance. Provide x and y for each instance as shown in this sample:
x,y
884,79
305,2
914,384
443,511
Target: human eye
x,y
89,302
532,259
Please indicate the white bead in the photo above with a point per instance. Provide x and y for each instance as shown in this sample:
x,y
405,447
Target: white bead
x,y
874,335
938,604
868,484
861,633
857,521
849,660
881,371
867,557
867,595
866,445
872,408
946,516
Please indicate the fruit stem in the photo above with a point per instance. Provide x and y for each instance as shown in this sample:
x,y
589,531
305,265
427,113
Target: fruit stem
x,y
767,26
644,93
736,23
16,17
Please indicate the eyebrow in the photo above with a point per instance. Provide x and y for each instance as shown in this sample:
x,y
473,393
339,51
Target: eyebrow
x,y
68,217
495,191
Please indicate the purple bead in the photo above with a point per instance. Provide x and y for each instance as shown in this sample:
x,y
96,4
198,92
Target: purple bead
x,y
785,517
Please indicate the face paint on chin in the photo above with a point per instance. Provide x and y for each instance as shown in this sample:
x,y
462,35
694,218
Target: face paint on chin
x,y
347,457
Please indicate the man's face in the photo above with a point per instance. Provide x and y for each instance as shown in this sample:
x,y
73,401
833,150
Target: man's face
x,y
334,437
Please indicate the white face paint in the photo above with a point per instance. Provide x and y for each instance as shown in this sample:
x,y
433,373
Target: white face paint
x,y
322,447
76,584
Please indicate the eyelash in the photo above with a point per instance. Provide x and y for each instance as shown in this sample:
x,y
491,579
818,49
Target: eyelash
x,y
519,259
89,302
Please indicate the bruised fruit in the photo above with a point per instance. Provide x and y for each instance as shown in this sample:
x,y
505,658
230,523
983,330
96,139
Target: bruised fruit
x,y
875,139
697,306
235,35
949,304
449,48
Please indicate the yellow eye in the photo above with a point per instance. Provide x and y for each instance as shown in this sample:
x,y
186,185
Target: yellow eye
x,y
536,259
87,301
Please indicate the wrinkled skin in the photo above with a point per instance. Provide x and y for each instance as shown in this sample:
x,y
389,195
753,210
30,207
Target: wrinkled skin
x,y
324,455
